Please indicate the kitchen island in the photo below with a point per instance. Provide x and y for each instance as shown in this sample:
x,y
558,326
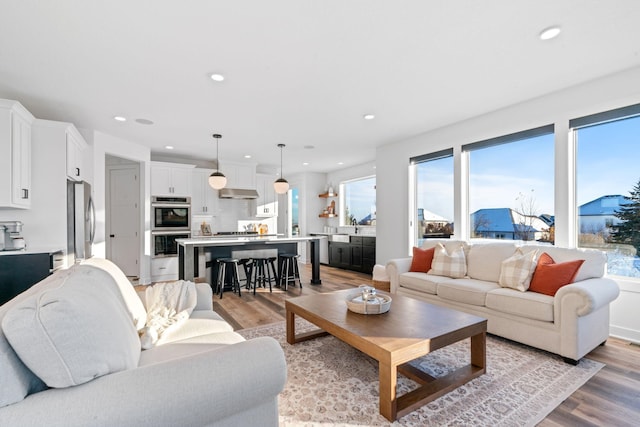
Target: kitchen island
x,y
189,251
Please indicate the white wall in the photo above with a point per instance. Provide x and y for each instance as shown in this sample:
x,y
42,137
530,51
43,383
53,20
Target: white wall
x,y
393,217
104,145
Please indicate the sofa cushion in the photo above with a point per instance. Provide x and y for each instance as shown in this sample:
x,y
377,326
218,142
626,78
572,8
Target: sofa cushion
x,y
467,291
484,261
516,271
75,332
550,276
188,347
16,380
130,297
422,259
201,322
422,282
449,263
531,305
595,261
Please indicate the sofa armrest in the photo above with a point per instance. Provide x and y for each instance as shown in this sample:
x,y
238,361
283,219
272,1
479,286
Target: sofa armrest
x,y
197,390
593,294
205,297
395,268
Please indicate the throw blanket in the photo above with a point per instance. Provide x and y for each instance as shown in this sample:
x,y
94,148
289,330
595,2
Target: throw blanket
x,y
169,305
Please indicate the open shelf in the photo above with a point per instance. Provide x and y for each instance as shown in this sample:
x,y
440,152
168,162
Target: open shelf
x,y
325,195
327,215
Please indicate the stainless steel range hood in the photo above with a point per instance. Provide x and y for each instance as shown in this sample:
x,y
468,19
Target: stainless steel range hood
x,y
237,193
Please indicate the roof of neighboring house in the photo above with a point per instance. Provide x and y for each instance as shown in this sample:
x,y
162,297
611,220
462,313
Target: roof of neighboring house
x,y
506,220
605,205
493,219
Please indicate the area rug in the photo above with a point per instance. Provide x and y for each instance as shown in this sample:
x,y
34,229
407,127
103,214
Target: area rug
x,y
332,384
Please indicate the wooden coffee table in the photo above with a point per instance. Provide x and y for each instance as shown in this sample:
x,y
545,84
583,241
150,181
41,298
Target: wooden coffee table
x,y
412,328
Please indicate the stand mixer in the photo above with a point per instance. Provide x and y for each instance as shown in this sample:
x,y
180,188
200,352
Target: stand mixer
x,y
10,238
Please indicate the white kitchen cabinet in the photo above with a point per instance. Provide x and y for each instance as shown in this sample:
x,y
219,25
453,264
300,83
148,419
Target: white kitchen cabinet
x,y
171,179
204,199
267,201
75,145
15,163
164,268
239,175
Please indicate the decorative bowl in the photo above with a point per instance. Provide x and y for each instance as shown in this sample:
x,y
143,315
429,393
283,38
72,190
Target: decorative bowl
x,y
377,304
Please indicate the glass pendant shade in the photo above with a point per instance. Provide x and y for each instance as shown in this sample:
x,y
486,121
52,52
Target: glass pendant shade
x,y
217,180
281,186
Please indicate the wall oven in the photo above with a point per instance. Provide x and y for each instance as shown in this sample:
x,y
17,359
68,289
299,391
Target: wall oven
x,y
171,213
163,243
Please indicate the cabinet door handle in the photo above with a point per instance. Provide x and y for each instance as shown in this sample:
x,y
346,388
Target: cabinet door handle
x,y
77,171
25,193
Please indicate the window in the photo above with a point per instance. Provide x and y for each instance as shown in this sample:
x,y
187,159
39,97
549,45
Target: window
x,y
608,186
433,174
359,202
511,186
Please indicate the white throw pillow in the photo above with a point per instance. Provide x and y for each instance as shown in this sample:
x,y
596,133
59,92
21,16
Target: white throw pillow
x,y
452,265
517,270
75,332
130,297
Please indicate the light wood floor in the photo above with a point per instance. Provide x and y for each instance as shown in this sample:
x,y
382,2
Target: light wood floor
x,y
610,398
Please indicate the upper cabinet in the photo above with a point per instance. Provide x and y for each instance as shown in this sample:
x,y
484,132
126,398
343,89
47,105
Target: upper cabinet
x,y
15,163
75,153
267,201
239,175
170,179
204,199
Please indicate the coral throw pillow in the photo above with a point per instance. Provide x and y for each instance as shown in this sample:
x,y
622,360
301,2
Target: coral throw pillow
x,y
549,276
422,258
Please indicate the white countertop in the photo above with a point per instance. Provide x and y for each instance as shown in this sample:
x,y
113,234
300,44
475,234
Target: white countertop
x,y
32,250
242,240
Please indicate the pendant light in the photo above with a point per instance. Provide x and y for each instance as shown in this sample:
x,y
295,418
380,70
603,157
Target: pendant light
x,y
217,180
281,185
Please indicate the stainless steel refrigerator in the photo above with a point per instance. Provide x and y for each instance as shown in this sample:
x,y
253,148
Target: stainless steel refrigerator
x,y
81,221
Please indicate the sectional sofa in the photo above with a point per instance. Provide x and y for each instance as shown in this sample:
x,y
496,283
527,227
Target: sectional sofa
x,y
570,323
70,355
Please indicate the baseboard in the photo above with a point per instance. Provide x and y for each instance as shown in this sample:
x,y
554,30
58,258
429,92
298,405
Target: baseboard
x,y
625,334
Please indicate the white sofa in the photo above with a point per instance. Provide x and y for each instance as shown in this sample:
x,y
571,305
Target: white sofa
x,y
571,323
83,322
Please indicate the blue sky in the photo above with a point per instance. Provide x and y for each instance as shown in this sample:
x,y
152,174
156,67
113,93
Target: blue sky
x,y
361,196
607,163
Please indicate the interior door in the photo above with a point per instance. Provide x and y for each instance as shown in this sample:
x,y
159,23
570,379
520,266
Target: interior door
x,y
124,219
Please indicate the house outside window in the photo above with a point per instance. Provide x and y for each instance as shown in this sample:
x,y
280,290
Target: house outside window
x,y
358,201
433,178
511,186
607,175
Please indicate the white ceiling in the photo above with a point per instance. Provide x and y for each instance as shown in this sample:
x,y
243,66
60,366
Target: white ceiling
x,y
299,72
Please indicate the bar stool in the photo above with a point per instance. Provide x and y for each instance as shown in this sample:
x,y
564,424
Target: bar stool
x,y
262,274
289,270
234,278
247,266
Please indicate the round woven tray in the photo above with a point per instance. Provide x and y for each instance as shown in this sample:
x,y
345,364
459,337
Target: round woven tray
x,y
380,304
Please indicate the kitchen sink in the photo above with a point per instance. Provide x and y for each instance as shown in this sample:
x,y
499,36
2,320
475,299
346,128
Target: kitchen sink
x,y
344,238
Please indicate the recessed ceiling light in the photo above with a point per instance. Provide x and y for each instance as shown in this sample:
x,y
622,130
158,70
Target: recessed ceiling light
x,y
144,121
341,163
119,118
549,33
247,156
369,116
305,164
217,77
169,147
